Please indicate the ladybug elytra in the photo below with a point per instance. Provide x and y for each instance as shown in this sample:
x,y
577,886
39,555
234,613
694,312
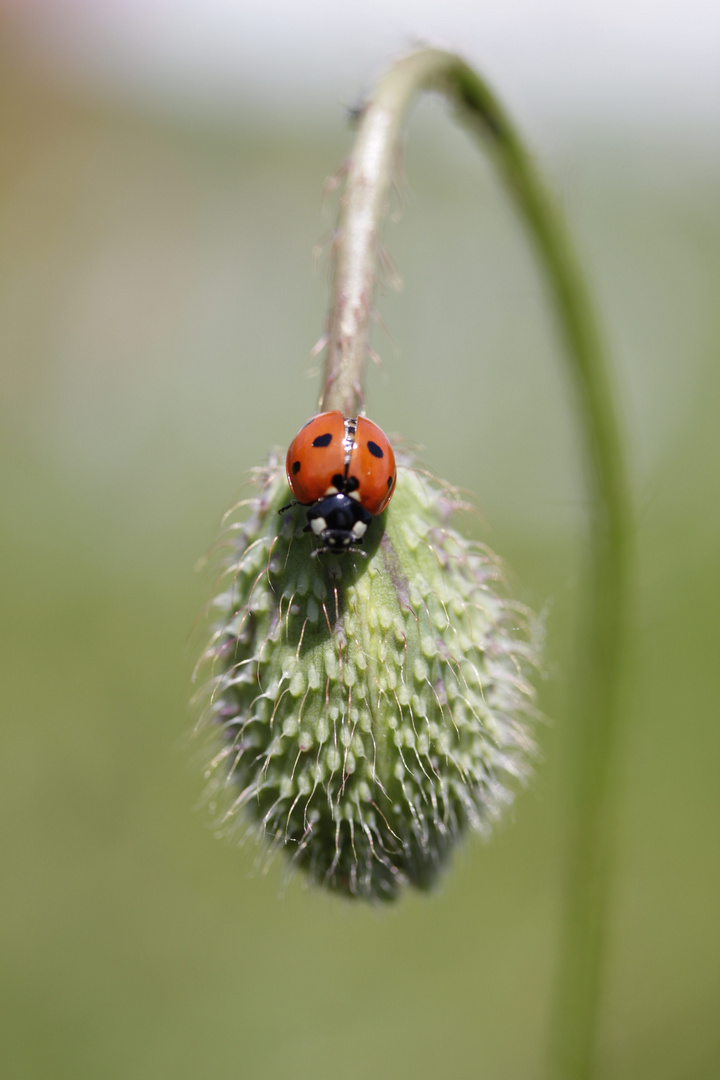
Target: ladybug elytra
x,y
343,469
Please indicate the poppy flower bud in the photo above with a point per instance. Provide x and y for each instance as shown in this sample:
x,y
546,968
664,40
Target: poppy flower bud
x,y
370,708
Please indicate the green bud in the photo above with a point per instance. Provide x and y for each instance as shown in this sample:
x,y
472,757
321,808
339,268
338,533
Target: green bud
x,y
371,707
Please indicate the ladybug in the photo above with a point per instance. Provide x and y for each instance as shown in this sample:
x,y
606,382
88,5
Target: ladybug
x,y
343,469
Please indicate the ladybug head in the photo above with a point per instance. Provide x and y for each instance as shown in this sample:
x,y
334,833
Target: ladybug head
x,y
339,521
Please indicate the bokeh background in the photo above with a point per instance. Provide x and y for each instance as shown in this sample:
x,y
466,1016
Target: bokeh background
x,y
160,197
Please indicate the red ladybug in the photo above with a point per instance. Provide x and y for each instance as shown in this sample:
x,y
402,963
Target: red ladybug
x,y
343,469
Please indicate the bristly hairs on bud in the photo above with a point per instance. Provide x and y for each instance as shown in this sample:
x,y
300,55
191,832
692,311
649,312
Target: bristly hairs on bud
x,y
366,711
370,709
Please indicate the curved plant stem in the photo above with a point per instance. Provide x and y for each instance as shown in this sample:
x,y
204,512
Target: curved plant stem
x,y
364,204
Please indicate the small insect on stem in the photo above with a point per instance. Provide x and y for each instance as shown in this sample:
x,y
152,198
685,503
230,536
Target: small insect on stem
x,y
342,468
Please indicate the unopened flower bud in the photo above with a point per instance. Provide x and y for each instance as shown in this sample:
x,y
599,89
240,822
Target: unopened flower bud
x,y
371,708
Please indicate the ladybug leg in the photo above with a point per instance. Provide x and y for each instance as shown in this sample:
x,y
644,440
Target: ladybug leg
x,y
289,506
339,551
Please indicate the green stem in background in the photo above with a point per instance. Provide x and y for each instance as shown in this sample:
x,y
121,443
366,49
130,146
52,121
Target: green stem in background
x,y
364,205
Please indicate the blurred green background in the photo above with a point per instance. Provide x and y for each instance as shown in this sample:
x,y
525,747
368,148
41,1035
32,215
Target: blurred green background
x,y
158,306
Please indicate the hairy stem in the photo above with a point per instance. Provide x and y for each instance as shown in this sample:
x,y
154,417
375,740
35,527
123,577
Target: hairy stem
x,y
362,211
364,205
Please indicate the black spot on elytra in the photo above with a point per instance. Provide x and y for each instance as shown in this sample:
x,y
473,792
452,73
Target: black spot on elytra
x,y
295,468
390,482
323,440
375,450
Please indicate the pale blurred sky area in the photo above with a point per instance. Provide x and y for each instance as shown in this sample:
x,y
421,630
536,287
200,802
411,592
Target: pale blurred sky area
x,y
622,61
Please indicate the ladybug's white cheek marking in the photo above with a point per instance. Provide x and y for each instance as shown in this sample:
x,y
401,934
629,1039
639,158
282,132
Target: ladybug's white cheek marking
x,y
318,526
359,529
